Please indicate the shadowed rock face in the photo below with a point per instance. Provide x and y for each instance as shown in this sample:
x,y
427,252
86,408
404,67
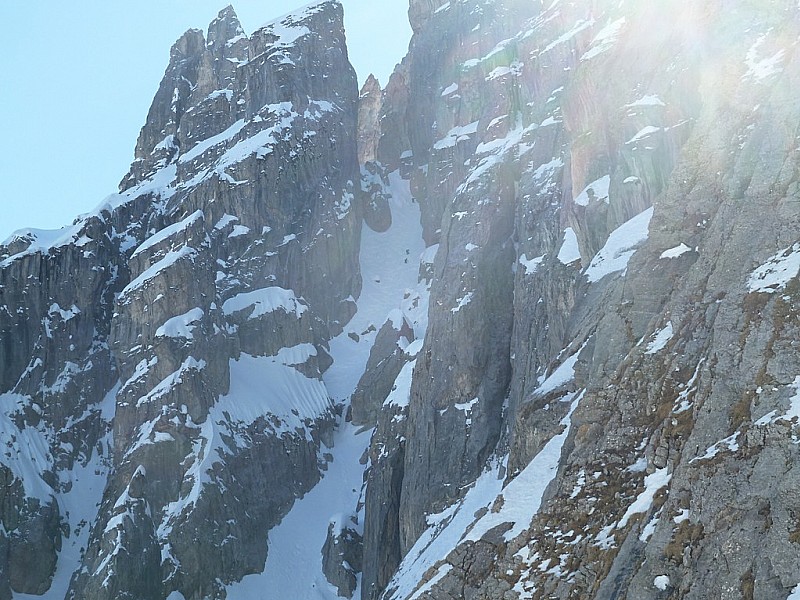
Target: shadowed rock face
x,y
604,400
222,267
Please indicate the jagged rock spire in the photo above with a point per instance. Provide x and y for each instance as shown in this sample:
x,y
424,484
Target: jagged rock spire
x,y
225,27
369,110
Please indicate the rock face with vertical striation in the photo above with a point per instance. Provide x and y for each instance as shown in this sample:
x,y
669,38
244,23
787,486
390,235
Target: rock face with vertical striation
x,y
592,358
370,102
586,386
209,288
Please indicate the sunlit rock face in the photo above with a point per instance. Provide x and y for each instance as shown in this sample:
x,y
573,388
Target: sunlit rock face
x,y
369,128
610,191
573,362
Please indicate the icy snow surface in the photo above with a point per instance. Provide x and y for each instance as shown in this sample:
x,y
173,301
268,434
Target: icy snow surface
x,y
493,152
286,26
567,36
161,184
202,146
264,301
562,375
644,501
400,395
597,191
44,240
455,135
605,39
731,443
181,326
451,89
792,413
778,271
173,256
661,582
647,100
387,279
759,68
532,264
675,252
294,562
171,381
660,339
225,220
272,125
681,517
271,384
569,252
260,386
25,452
794,402
462,302
259,143
514,68
620,246
239,230
523,495
643,133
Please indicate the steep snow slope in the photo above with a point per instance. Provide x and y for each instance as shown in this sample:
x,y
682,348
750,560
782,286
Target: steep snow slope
x,y
389,264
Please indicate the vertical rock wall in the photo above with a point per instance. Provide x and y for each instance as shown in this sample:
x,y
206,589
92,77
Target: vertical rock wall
x,y
606,301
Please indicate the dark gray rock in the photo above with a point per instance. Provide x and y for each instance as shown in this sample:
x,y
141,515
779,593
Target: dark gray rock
x,y
386,358
394,147
384,479
342,558
375,196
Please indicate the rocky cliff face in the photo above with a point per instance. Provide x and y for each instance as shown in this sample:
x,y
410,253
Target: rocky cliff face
x,y
199,302
552,267
610,190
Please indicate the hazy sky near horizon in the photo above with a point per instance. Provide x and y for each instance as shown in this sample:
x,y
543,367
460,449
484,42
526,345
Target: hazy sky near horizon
x,y
78,79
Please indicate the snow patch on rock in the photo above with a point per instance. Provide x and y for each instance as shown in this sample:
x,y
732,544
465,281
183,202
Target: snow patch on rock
x,y
620,246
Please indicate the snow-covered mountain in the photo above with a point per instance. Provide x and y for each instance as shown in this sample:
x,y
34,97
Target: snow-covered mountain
x,y
522,324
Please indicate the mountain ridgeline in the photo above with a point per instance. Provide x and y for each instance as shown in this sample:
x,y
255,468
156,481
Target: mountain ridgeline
x,y
521,324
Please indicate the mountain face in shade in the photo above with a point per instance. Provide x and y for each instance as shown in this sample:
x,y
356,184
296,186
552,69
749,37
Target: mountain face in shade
x,y
167,321
521,324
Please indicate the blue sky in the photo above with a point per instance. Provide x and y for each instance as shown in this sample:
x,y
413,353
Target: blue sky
x,y
78,78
